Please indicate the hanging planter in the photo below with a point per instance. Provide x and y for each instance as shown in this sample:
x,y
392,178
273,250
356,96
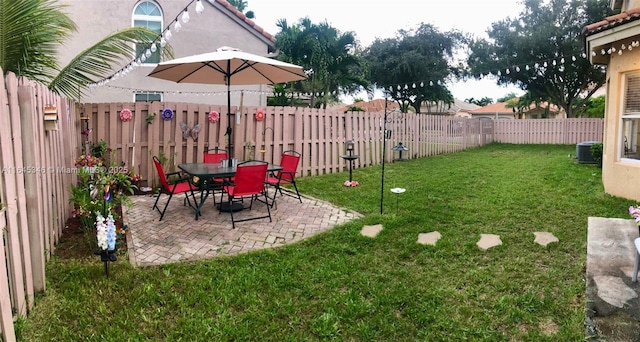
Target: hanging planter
x,y
214,116
125,115
260,114
167,114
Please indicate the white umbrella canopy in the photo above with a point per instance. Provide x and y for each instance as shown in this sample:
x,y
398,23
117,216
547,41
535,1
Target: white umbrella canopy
x,y
240,68
228,66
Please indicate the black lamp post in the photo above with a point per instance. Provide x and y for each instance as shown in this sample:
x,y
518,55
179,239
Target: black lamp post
x,y
349,144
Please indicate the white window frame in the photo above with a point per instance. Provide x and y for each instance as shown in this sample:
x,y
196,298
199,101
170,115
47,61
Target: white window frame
x,y
149,18
633,143
148,93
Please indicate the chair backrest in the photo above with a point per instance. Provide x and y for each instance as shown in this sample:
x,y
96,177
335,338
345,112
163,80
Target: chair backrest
x,y
215,155
289,163
249,178
161,174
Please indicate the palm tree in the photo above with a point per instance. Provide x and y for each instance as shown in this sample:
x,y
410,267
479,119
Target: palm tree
x,y
328,54
31,33
241,5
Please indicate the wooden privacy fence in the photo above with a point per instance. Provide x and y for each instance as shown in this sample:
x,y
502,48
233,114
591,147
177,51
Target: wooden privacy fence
x,y
36,174
549,131
37,164
319,135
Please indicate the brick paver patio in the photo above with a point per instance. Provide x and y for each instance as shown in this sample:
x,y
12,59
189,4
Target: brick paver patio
x,y
179,237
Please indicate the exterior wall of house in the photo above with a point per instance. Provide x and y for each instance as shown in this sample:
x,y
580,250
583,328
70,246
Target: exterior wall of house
x,y
205,32
619,178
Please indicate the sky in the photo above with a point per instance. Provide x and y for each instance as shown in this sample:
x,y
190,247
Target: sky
x,y
371,19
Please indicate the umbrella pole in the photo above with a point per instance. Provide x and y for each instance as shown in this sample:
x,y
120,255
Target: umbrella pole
x,y
229,129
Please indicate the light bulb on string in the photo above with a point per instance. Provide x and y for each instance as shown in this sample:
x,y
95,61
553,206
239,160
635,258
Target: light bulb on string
x,y
168,34
517,69
153,47
562,60
414,86
573,58
199,7
421,84
527,67
163,42
185,16
544,64
507,71
177,26
619,52
431,83
147,53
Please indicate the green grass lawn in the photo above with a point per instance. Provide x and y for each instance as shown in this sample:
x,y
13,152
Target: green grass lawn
x,y
342,286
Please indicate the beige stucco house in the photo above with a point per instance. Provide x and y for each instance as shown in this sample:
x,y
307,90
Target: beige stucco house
x,y
615,42
219,24
500,110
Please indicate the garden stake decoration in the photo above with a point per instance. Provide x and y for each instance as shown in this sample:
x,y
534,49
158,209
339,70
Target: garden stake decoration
x,y
635,212
106,233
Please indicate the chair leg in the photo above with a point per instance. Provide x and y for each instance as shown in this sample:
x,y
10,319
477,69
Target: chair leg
x,y
634,278
233,222
266,201
165,207
155,205
275,193
293,181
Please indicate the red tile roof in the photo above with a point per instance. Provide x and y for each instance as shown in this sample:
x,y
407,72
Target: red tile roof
x,y
376,105
612,21
246,20
499,107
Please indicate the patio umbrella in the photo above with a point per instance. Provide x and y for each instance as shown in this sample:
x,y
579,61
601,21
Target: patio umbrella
x,y
228,66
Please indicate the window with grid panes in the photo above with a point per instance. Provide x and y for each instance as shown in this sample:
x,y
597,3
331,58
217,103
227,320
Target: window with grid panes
x,y
630,136
148,14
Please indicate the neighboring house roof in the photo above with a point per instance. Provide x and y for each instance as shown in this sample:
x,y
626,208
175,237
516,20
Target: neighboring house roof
x,y
499,107
244,18
612,21
452,109
376,105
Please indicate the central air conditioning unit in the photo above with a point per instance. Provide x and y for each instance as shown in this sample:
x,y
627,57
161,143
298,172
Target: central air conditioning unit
x,y
583,152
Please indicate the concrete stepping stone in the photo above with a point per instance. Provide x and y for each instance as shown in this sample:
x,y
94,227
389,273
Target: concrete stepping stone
x,y
544,238
429,238
614,291
488,241
371,231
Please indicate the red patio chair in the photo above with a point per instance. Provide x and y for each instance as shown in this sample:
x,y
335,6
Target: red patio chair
x,y
172,187
215,155
248,182
289,163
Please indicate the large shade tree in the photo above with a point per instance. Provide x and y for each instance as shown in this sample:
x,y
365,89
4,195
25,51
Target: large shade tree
x,y
414,67
31,32
541,51
329,56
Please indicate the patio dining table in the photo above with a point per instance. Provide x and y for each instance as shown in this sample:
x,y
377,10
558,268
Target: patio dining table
x,y
206,172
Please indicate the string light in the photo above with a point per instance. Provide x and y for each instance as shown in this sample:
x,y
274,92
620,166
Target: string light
x,y
164,37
